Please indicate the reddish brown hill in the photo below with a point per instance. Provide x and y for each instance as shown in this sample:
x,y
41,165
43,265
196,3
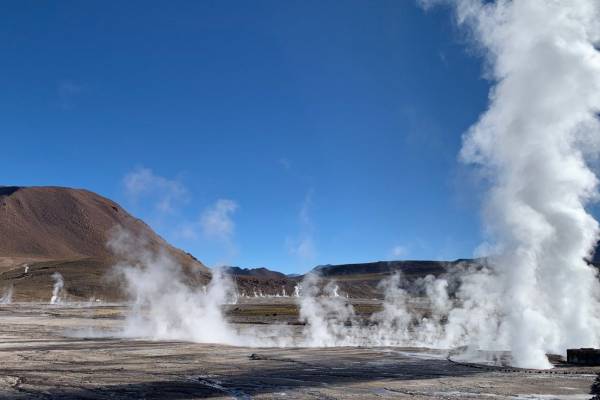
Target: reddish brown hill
x,y
50,228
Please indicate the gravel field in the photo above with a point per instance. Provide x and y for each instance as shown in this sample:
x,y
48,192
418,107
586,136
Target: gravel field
x,y
49,352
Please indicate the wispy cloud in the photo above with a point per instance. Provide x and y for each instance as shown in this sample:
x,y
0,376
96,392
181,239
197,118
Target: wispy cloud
x,y
303,245
399,251
285,163
304,215
163,203
166,193
427,4
217,222
443,58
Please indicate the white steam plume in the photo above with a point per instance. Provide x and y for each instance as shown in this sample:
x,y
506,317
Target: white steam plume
x,y
59,283
7,295
532,143
164,305
331,320
325,314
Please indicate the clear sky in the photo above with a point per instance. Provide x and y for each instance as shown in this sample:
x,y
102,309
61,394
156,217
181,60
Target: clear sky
x,y
282,134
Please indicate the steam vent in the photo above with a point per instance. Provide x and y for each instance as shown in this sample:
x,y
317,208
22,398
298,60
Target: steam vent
x,y
584,356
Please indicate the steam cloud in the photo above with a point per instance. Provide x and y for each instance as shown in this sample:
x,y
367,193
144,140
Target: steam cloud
x,y
7,295
165,306
59,283
536,293
447,312
533,142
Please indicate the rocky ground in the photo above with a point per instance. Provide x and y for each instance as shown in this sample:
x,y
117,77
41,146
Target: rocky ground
x,y
45,353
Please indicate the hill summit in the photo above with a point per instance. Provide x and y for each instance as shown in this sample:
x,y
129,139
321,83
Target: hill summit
x,y
61,229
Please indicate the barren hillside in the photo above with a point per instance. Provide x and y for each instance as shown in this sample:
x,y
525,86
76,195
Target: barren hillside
x,y
48,229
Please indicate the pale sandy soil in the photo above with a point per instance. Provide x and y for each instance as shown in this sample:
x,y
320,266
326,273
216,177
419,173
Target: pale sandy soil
x,y
40,358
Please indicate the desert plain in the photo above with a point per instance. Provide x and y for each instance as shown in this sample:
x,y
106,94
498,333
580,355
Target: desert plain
x,y
68,351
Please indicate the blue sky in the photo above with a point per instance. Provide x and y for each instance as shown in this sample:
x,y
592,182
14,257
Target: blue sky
x,y
282,134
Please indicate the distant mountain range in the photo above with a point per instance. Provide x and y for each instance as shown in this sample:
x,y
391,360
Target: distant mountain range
x,y
262,273
52,229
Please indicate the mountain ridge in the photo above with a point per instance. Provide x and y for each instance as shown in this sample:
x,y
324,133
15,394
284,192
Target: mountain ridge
x,y
46,229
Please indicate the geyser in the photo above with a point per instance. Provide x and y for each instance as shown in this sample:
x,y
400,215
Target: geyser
x,y
164,306
57,288
7,295
533,143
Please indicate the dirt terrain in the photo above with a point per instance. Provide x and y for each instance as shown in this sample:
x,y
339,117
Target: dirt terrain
x,y
52,229
46,355
54,223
